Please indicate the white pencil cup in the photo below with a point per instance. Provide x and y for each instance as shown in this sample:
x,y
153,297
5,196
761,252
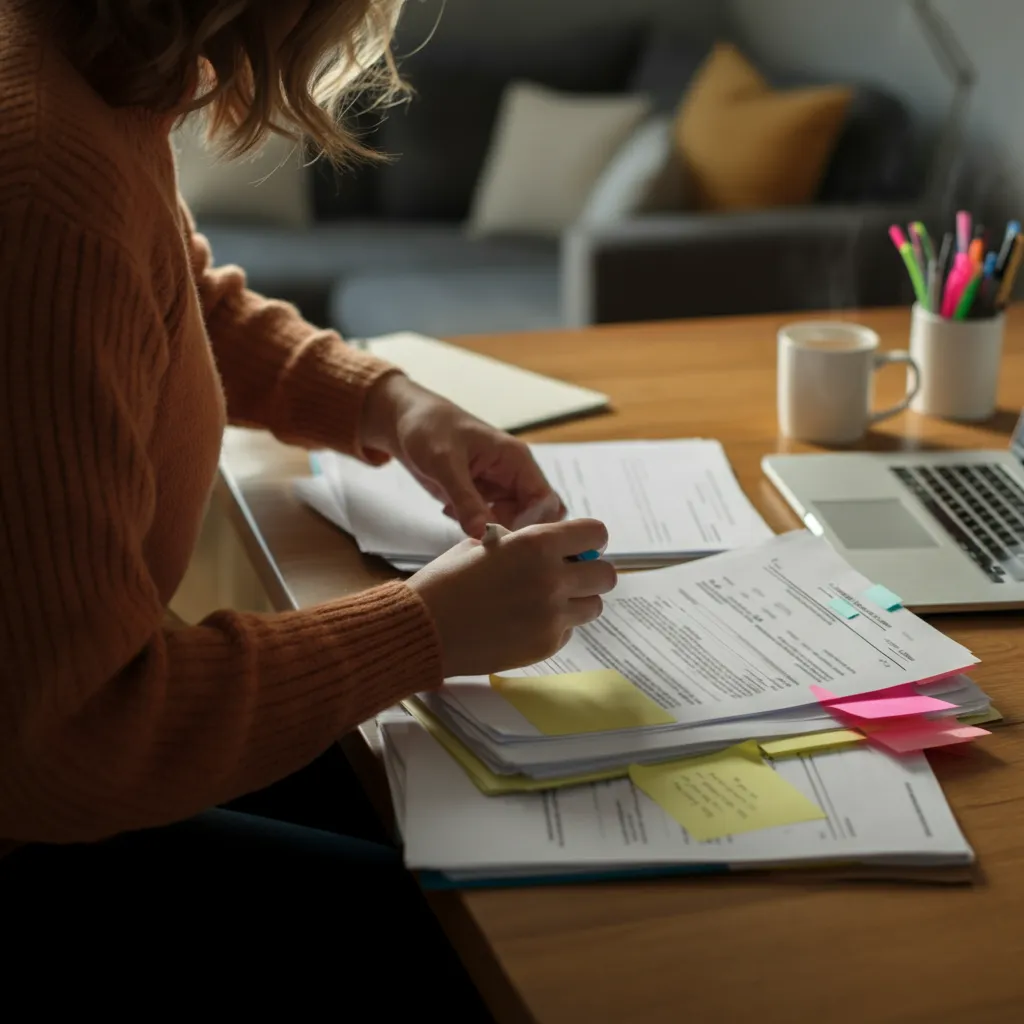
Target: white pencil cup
x,y
959,362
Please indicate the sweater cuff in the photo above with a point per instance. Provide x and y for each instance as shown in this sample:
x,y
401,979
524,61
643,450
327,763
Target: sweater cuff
x,y
384,637
325,391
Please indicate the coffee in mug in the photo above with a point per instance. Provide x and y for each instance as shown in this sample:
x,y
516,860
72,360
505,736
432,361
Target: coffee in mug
x,y
826,381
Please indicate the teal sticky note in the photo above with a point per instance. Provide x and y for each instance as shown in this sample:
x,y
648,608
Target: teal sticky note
x,y
314,464
844,608
883,597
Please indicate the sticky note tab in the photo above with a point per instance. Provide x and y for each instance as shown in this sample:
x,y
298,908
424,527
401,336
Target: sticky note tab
x,y
912,737
988,717
724,794
580,702
844,608
488,782
883,597
822,694
892,707
812,743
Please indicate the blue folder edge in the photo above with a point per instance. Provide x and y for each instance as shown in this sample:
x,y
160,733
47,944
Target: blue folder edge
x,y
435,881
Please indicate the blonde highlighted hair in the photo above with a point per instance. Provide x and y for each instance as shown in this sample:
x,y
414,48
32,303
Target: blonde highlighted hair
x,y
289,67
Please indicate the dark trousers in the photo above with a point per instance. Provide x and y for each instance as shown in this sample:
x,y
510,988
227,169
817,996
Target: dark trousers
x,y
295,890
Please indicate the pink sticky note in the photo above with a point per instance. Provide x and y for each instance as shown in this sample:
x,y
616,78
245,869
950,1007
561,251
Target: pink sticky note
x,y
923,735
892,707
822,694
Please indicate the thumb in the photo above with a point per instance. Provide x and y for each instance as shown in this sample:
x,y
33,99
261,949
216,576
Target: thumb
x,y
467,506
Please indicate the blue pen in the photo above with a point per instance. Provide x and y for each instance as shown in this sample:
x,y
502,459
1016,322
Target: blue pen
x,y
1012,231
492,533
987,289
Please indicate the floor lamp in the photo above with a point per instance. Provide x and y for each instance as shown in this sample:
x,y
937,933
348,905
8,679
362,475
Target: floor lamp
x,y
957,65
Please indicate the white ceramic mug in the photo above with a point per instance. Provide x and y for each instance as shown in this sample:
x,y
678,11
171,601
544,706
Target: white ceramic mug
x,y
959,361
826,381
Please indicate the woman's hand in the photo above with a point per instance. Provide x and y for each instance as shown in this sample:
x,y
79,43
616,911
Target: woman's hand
x,y
517,601
481,474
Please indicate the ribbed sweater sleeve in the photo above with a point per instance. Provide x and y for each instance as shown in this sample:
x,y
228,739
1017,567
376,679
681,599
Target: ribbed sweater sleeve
x,y
279,371
108,722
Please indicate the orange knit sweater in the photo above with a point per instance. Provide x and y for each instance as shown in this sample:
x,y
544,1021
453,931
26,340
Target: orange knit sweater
x,y
122,351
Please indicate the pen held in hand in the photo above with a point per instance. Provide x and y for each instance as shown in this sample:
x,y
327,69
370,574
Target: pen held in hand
x,y
494,532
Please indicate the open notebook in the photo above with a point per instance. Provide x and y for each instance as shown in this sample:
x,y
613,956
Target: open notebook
x,y
504,396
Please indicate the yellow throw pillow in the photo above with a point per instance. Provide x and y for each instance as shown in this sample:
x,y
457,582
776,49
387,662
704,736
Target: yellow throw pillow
x,y
747,146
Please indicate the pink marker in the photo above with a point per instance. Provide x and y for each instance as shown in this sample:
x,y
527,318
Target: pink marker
x,y
963,231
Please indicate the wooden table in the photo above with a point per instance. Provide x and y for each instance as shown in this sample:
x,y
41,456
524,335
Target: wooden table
x,y
764,948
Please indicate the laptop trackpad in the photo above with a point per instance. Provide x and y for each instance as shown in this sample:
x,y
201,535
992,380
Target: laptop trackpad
x,y
879,524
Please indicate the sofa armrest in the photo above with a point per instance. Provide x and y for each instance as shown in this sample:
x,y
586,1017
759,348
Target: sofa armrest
x,y
690,265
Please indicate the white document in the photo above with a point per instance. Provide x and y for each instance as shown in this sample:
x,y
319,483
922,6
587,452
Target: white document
x,y
505,396
662,501
879,808
317,493
745,633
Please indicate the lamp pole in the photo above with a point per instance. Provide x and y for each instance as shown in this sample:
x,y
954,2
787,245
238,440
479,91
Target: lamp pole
x,y
959,68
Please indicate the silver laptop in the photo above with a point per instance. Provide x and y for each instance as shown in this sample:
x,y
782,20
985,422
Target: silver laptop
x,y
944,530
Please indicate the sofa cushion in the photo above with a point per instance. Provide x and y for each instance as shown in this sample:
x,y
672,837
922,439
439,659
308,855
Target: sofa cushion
x,y
549,150
746,145
446,303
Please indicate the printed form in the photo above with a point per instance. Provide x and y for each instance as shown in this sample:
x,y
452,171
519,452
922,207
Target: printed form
x,y
741,634
661,500
875,806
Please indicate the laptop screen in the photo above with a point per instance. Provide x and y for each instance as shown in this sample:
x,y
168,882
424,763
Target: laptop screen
x,y
1017,441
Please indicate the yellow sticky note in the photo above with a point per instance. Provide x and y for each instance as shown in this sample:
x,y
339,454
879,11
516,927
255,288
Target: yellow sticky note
x,y
812,743
724,794
579,702
988,717
490,783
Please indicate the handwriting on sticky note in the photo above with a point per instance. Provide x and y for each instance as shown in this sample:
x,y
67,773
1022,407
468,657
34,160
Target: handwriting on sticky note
x,y
580,702
912,737
892,707
724,794
811,743
884,598
844,608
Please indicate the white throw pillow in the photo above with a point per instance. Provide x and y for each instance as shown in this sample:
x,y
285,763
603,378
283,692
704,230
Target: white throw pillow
x,y
644,176
269,187
547,151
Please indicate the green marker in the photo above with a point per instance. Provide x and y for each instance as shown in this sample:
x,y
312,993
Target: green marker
x,y
916,277
926,240
963,307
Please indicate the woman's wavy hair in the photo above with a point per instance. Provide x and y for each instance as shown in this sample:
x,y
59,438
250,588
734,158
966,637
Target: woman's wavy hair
x,y
289,67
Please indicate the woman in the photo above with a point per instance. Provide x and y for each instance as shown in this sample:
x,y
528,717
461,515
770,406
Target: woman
x,y
123,351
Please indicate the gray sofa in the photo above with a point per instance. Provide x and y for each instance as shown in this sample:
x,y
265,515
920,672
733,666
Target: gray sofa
x,y
388,250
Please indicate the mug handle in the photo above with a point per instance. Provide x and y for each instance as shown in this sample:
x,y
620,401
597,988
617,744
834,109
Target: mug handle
x,y
884,359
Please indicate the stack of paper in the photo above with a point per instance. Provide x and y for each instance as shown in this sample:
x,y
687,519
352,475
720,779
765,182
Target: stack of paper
x,y
745,645
663,502
734,811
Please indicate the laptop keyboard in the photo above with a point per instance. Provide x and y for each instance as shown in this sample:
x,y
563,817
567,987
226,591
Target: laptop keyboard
x,y
981,507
